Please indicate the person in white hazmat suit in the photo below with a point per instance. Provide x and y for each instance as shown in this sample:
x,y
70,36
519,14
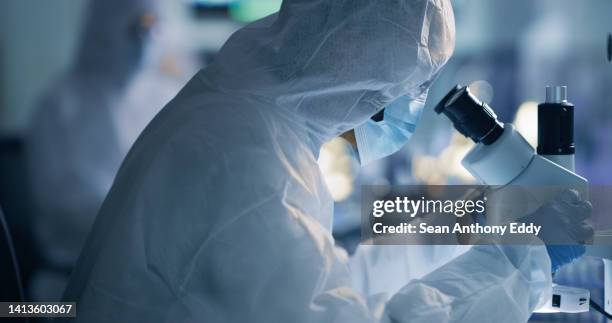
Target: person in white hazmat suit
x,y
85,124
219,212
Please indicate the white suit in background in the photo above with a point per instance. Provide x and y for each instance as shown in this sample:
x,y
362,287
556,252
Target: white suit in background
x,y
84,127
219,212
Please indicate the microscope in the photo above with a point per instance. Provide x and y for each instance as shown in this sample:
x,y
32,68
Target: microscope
x,y
502,159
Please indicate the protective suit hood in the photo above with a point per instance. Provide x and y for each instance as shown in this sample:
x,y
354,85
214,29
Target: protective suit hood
x,y
332,69
112,41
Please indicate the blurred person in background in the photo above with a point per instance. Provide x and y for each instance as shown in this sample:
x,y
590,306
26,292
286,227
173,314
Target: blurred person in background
x,y
125,70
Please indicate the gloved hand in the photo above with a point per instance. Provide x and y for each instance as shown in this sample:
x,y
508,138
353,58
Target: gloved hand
x,y
563,227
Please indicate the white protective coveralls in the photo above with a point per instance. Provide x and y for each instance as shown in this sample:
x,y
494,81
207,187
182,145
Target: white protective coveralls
x,y
84,126
219,212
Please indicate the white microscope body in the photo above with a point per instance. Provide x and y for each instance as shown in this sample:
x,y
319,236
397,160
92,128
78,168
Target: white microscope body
x,y
510,164
502,158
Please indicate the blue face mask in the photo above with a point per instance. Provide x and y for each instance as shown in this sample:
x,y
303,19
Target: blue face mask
x,y
379,139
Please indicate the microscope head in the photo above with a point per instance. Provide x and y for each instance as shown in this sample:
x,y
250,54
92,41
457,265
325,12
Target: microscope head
x,y
471,117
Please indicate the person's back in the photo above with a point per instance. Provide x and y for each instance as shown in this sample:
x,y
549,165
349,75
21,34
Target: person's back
x,y
146,224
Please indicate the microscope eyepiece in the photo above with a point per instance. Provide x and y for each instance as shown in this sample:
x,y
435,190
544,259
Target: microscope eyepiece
x,y
471,117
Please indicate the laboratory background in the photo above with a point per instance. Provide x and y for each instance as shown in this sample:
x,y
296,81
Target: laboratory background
x,y
68,115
